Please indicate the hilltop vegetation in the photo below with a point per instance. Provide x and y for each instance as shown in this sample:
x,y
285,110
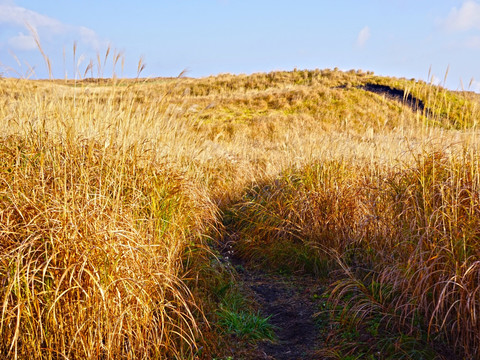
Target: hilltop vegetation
x,y
114,196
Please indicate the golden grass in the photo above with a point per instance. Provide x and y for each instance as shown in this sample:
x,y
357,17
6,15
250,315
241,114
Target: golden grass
x,y
107,190
94,234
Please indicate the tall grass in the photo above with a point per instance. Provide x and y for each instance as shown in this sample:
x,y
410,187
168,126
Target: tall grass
x,y
95,232
406,238
108,189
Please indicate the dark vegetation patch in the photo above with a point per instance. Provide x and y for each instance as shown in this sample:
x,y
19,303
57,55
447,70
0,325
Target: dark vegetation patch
x,y
396,94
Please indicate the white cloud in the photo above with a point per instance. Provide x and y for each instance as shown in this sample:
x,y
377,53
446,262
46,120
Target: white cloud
x,y
16,15
22,42
88,36
363,36
465,18
13,15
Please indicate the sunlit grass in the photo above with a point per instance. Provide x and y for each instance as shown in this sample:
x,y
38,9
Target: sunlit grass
x,y
108,190
95,232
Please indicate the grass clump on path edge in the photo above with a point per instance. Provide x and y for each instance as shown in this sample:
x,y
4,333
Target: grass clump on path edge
x,y
403,241
94,247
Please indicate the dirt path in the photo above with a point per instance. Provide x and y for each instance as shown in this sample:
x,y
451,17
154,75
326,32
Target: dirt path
x,y
291,302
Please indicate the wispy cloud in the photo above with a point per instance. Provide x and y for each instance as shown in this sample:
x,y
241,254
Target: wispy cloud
x,y
363,36
465,18
16,15
89,36
22,18
22,42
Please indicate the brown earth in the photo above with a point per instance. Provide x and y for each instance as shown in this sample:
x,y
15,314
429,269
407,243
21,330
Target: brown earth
x,y
291,302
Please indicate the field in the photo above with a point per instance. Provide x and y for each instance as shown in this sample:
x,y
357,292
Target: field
x,y
128,208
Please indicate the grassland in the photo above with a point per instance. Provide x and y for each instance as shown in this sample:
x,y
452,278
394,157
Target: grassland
x,y
114,195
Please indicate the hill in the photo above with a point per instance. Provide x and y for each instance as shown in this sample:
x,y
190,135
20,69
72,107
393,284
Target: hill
x,y
131,210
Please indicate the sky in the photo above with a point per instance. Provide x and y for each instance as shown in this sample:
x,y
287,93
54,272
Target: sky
x,y
418,39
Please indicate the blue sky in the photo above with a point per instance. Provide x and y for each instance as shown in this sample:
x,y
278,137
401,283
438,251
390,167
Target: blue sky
x,y
402,38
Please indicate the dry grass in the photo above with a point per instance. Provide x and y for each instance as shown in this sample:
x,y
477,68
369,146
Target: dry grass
x,y
406,239
108,188
95,232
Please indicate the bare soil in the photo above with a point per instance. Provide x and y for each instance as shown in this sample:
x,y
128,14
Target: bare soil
x,y
291,302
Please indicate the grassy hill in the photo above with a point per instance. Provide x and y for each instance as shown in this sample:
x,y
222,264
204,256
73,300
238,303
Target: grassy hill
x,y
115,195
